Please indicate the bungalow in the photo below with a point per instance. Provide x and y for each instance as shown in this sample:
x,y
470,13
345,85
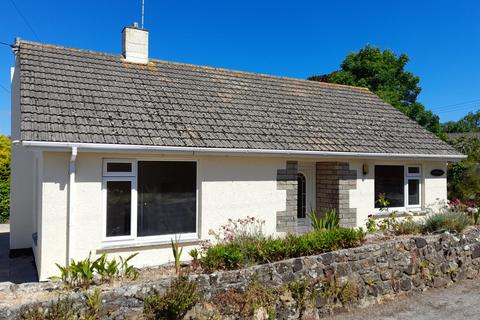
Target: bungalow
x,y
120,153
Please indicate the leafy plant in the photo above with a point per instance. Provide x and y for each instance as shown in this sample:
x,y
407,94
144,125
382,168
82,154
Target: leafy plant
x,y
328,221
128,270
177,253
78,273
195,255
94,302
371,224
81,273
452,221
382,202
180,297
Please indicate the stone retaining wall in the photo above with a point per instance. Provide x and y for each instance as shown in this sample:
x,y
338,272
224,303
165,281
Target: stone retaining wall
x,y
377,270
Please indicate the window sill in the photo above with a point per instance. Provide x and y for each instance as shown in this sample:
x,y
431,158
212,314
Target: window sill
x,y
401,213
144,245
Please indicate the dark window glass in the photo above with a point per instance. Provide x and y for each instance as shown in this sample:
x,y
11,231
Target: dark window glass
x,y
413,170
167,197
119,167
301,197
119,205
389,180
413,192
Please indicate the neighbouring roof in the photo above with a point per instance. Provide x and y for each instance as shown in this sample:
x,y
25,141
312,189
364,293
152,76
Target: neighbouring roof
x,y
79,96
458,135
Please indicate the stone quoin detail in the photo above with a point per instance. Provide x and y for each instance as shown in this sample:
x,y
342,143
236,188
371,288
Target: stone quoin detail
x,y
287,180
334,180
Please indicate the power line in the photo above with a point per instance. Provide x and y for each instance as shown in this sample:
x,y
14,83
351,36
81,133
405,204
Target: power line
x,y
25,20
3,87
446,107
469,108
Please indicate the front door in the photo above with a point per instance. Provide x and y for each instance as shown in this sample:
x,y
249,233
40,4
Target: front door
x,y
306,198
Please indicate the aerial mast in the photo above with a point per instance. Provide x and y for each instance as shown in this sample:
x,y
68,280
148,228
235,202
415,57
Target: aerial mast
x,y
143,12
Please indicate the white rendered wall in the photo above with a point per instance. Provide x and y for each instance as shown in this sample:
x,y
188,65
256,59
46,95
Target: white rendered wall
x,y
52,233
21,198
229,187
433,189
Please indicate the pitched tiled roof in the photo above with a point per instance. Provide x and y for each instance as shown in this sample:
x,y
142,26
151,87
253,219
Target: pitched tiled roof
x,y
70,95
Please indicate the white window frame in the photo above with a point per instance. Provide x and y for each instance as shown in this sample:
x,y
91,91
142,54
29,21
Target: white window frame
x,y
133,208
406,177
132,173
413,176
134,239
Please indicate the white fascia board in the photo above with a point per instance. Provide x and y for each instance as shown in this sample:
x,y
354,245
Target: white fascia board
x,y
115,148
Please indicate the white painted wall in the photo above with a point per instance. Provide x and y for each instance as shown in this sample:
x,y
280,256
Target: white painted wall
x,y
21,198
434,189
229,187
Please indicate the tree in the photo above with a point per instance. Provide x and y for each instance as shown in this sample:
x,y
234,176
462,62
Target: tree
x,y
5,151
384,73
464,176
469,123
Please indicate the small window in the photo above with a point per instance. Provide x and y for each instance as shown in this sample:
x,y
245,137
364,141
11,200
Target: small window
x,y
118,168
413,171
119,208
301,197
413,192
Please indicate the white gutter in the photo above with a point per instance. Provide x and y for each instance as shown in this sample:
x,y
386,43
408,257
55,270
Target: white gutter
x,y
70,200
95,147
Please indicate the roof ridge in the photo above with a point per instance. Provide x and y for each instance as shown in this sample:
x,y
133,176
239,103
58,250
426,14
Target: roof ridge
x,y
303,81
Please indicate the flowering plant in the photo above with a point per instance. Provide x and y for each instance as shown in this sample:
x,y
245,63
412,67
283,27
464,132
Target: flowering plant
x,y
239,230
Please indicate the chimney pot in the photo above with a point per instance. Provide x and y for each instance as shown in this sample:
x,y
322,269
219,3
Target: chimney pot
x,y
135,44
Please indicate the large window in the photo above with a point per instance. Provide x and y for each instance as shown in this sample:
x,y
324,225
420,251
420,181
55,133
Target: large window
x,y
148,200
399,185
166,197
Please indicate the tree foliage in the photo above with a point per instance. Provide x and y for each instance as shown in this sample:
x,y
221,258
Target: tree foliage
x,y
383,72
464,176
5,151
469,123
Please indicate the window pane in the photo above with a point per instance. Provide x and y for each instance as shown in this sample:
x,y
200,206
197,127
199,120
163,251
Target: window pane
x,y
390,181
414,192
167,197
119,205
119,167
301,197
413,170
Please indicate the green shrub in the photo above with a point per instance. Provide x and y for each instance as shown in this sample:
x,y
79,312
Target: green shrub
x,y
452,221
407,226
329,220
228,256
4,201
180,297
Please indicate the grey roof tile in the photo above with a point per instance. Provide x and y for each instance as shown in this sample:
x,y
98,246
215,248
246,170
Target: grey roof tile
x,y
71,95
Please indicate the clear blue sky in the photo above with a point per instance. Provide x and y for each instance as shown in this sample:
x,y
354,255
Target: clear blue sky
x,y
287,38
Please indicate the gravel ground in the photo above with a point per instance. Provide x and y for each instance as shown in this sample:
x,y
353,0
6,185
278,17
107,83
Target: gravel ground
x,y
460,301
